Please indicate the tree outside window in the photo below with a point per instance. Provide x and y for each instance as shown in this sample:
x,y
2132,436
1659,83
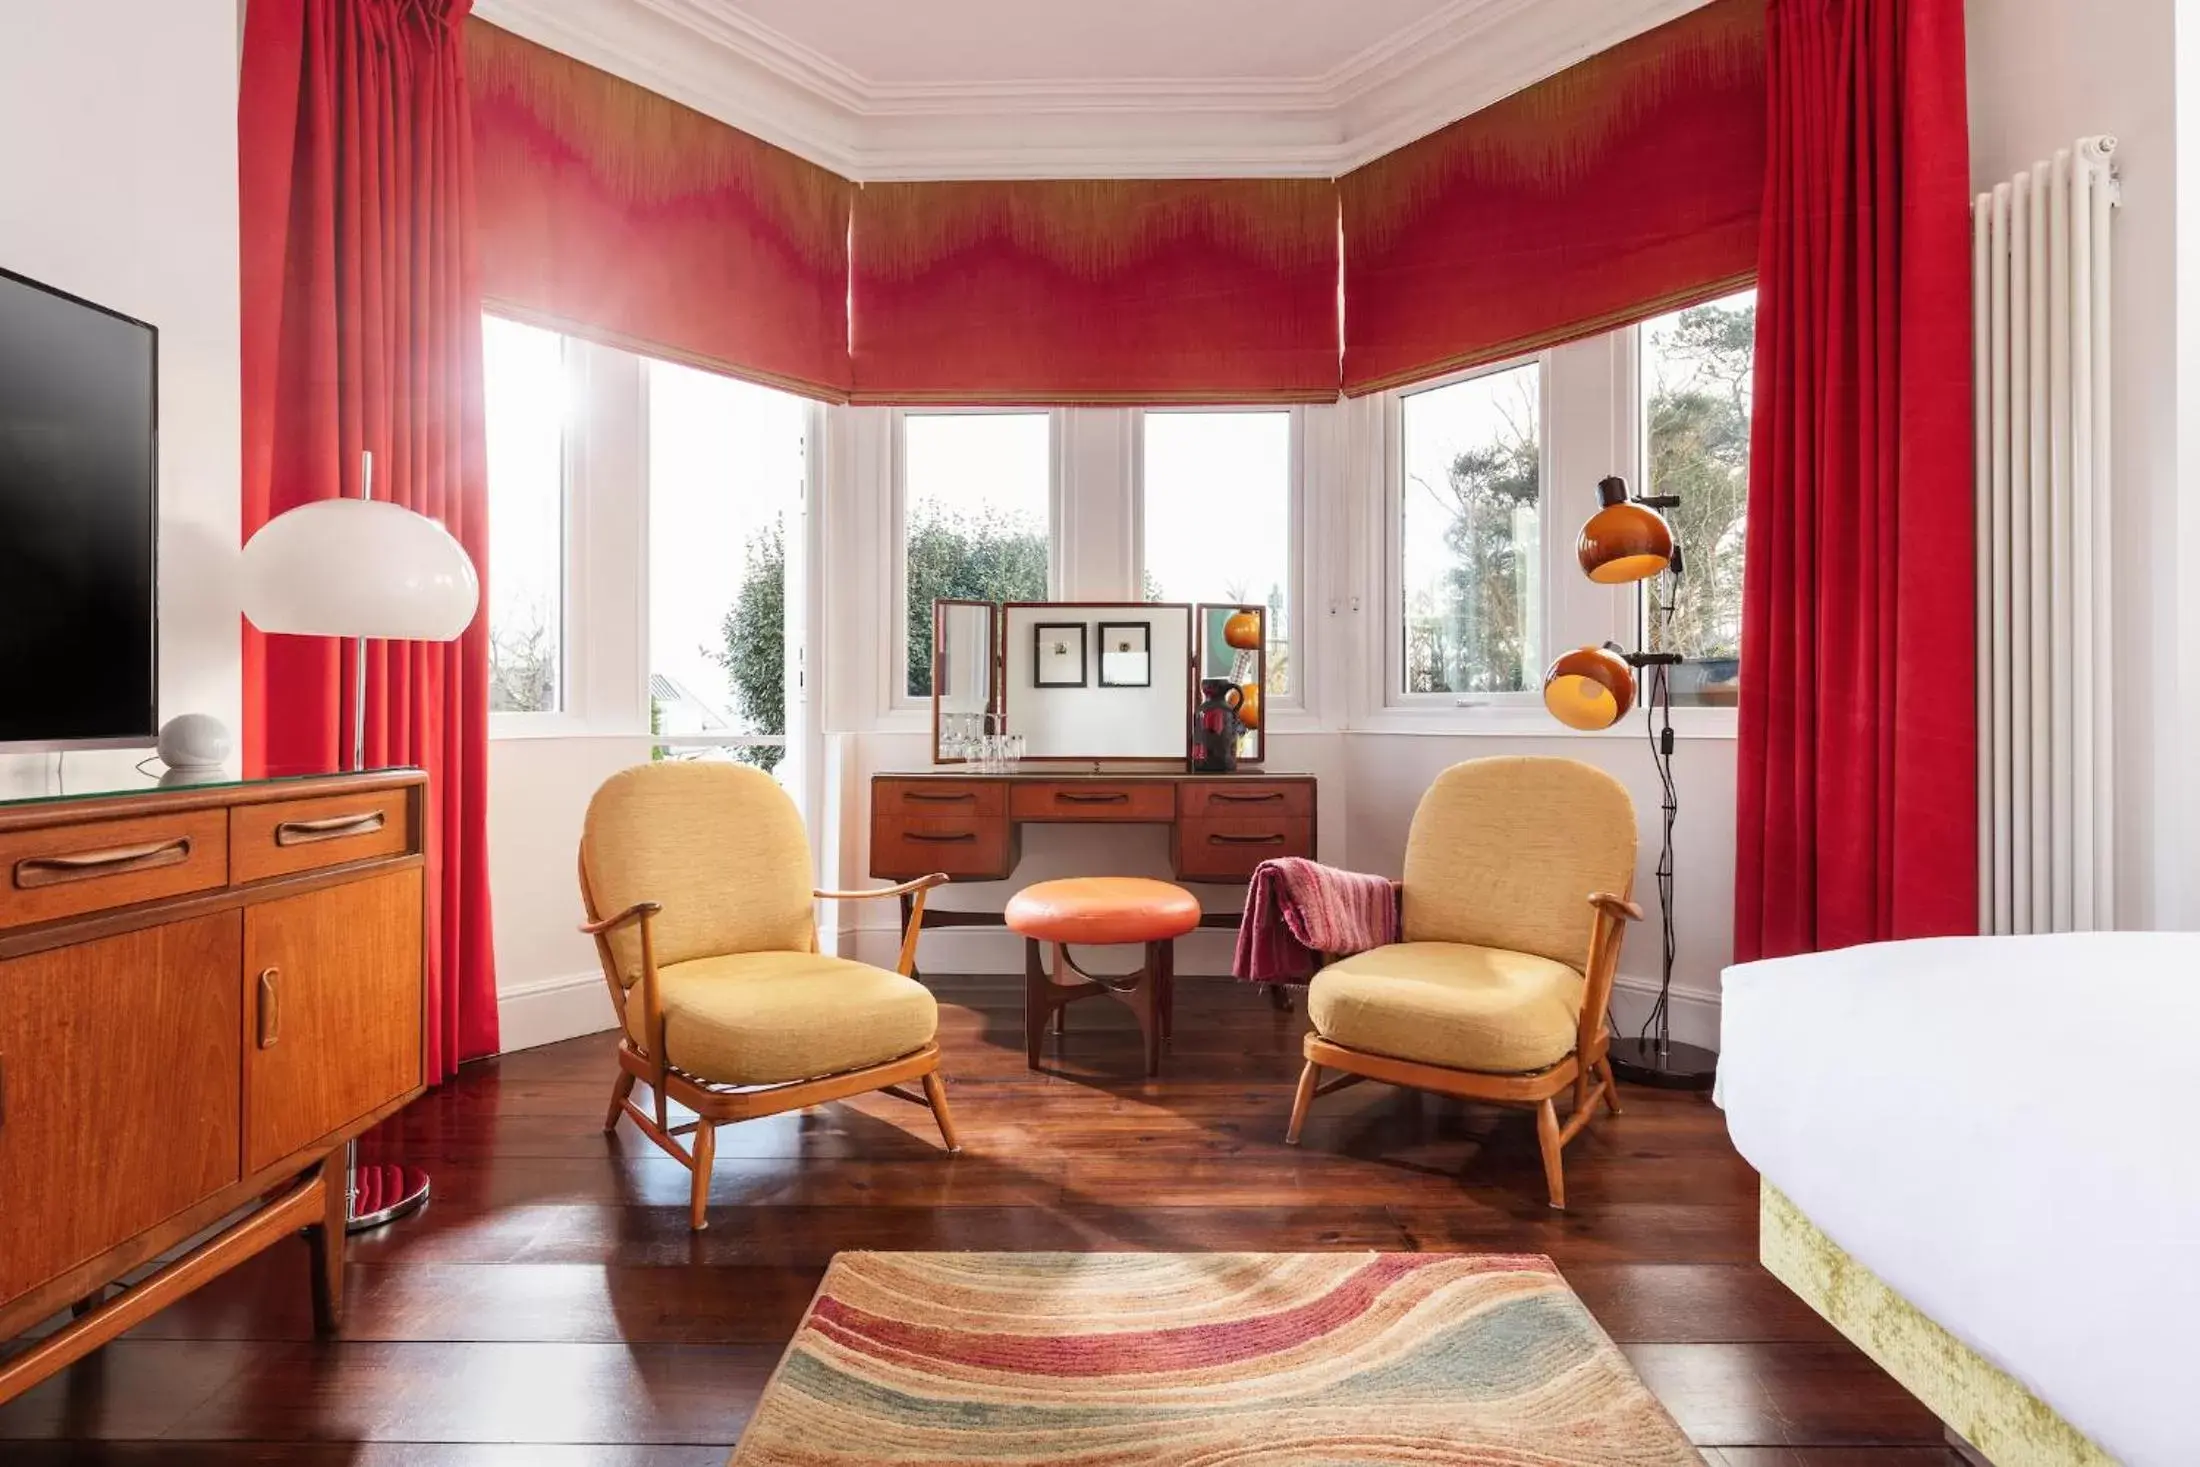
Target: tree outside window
x,y
1470,531
1697,365
975,490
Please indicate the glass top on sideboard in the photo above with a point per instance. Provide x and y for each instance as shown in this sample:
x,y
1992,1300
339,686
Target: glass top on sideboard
x,y
32,779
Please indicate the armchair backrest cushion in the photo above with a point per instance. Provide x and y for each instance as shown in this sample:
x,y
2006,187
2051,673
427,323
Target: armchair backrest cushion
x,y
718,846
1505,852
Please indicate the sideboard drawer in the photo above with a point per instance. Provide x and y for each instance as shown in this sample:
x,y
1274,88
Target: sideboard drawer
x,y
1093,799
1228,850
1238,799
927,798
284,836
903,848
90,866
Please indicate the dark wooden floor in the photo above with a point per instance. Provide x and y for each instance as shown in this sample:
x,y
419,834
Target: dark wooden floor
x,y
550,1307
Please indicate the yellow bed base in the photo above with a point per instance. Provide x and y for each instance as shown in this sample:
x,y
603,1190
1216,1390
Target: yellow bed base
x,y
1978,1401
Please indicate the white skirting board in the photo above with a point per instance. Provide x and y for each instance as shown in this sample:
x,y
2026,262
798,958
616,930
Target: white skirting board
x,y
545,1010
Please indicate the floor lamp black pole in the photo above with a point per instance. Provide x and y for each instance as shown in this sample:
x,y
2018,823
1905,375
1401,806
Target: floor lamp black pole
x,y
1651,1056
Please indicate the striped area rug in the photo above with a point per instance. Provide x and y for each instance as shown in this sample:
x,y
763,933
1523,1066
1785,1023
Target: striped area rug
x,y
1203,1360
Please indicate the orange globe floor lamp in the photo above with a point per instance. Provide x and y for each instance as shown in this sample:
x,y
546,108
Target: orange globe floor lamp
x,y
1628,541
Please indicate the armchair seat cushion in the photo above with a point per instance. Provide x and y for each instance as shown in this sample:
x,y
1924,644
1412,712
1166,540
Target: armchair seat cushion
x,y
770,1018
1452,1004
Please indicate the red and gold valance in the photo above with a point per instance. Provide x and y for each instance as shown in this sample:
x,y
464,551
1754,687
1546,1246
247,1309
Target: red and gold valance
x,y
611,212
1624,186
1095,291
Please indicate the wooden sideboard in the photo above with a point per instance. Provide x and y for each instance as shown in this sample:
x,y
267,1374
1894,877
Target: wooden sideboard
x,y
205,993
969,825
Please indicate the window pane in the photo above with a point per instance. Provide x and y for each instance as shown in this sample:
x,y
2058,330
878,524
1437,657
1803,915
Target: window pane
x,y
1696,368
1217,490
975,496
1469,532
725,487
525,394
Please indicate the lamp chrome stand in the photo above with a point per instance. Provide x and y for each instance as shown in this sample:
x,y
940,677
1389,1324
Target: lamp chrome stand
x,y
384,1191
1651,1057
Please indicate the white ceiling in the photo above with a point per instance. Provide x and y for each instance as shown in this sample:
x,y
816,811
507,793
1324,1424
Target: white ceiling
x,y
1049,88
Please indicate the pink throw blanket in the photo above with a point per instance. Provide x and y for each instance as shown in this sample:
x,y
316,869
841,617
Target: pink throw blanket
x,y
1298,911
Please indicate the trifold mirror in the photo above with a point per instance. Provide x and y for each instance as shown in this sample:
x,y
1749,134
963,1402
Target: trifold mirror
x,y
1090,681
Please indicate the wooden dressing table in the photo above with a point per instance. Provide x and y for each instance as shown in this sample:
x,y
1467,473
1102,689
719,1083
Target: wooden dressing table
x,y
969,825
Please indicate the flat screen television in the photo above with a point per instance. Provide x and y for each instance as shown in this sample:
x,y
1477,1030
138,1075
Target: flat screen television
x,y
79,654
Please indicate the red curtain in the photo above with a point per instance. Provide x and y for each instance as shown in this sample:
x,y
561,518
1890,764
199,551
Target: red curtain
x,y
609,212
1096,291
362,331
1622,187
1857,798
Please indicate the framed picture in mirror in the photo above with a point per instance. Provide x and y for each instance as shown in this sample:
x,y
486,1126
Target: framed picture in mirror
x,y
1126,654
1058,654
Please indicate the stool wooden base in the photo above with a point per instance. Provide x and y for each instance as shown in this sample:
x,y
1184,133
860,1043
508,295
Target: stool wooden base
x,y
1149,993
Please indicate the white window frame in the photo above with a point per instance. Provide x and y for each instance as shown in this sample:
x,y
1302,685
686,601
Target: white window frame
x,y
569,717
1389,676
898,697
1294,583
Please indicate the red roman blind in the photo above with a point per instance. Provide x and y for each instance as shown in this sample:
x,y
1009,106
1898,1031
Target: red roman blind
x,y
1627,185
1096,291
611,212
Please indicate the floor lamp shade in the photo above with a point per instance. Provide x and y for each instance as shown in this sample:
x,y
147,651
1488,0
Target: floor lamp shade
x,y
1589,688
1623,541
359,568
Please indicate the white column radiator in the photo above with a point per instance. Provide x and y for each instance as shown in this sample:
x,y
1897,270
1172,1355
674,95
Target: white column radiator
x,y
2040,263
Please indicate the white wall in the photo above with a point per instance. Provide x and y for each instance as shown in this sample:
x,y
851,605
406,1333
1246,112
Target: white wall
x,y
2042,74
118,183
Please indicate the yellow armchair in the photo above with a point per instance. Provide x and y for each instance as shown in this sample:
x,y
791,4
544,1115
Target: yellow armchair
x,y
1513,911
710,952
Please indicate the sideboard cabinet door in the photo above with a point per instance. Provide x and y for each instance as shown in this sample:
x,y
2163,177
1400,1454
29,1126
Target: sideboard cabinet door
x,y
118,1090
332,991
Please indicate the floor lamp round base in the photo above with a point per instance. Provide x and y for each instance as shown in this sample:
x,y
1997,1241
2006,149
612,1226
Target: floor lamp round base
x,y
1675,1067
383,1193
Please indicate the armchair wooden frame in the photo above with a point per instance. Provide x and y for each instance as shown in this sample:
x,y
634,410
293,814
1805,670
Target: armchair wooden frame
x,y
1587,1072
715,1104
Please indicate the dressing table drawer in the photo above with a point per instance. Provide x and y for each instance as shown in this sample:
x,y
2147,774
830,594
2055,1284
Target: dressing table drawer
x,y
969,846
1229,849
1092,800
928,799
1243,799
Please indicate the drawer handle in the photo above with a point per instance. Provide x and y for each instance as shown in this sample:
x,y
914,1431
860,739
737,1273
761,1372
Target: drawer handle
x,y
34,871
1071,797
931,839
333,827
928,797
1272,839
1224,797
271,1012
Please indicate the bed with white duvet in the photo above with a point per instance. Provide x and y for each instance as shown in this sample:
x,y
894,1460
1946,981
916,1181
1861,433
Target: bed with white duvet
x,y
2006,1131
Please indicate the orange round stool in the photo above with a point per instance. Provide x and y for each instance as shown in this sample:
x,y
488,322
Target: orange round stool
x,y
1101,911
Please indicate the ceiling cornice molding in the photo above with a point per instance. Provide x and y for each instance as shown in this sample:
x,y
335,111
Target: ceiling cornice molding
x,y
713,57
